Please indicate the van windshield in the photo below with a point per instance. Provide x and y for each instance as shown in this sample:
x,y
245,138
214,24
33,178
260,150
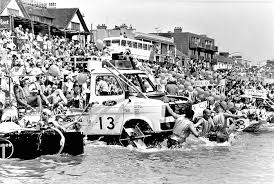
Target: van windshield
x,y
141,81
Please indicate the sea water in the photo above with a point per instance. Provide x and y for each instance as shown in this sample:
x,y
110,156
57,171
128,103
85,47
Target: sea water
x,y
249,158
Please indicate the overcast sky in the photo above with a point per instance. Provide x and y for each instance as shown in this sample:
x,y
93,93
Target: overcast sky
x,y
245,26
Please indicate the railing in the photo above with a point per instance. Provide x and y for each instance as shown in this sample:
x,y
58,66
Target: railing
x,y
201,45
201,57
209,47
193,56
193,45
208,59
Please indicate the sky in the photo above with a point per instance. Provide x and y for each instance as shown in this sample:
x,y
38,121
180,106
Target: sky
x,y
243,27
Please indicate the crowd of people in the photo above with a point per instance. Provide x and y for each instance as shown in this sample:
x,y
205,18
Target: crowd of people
x,y
28,62
224,93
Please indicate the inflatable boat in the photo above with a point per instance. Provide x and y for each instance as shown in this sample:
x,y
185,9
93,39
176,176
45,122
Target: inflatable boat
x,y
26,143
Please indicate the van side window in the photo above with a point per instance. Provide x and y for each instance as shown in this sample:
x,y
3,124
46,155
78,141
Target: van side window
x,y
107,85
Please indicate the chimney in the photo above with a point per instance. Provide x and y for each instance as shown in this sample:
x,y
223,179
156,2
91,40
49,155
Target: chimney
x,y
225,54
103,26
178,29
52,5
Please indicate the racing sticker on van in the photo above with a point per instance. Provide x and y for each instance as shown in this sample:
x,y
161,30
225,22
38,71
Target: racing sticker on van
x,y
106,123
109,103
137,108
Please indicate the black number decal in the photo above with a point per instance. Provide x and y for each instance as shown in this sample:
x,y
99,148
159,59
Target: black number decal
x,y
240,125
111,122
101,123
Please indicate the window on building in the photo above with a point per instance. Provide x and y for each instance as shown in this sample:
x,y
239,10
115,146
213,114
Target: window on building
x,y
135,45
145,46
140,46
75,26
116,42
129,43
13,12
123,43
107,42
35,18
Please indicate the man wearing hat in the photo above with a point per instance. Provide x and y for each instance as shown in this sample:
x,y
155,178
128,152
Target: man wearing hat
x,y
221,127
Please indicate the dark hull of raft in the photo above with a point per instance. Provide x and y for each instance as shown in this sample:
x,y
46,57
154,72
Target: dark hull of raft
x,y
32,144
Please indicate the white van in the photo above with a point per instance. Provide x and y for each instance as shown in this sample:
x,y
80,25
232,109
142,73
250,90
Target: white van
x,y
117,109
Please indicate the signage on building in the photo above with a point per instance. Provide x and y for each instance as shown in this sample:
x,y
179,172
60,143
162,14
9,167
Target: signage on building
x,y
202,83
254,92
5,22
207,83
199,108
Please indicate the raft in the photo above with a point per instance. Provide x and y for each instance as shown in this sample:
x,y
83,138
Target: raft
x,y
30,144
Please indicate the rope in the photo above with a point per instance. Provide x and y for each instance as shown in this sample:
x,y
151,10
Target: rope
x,y
62,141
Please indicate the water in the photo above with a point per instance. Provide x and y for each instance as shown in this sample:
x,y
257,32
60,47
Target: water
x,y
250,159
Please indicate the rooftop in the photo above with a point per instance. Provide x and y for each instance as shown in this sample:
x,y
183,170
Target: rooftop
x,y
154,37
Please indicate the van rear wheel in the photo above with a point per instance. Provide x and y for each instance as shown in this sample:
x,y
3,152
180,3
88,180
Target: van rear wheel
x,y
133,134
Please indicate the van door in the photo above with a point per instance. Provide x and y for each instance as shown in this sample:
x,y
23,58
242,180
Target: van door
x,y
106,115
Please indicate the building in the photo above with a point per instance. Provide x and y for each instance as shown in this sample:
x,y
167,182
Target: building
x,y
163,48
69,21
194,46
222,61
42,17
12,7
102,32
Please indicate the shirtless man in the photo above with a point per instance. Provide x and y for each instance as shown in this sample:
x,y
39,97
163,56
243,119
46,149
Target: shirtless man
x,y
183,127
57,95
206,122
221,127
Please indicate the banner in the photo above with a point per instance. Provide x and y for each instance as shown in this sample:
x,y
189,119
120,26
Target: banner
x,y
254,92
4,56
222,82
207,83
199,108
5,22
202,83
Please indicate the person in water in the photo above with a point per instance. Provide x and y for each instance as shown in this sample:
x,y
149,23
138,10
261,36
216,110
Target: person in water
x,y
48,121
205,122
221,130
183,127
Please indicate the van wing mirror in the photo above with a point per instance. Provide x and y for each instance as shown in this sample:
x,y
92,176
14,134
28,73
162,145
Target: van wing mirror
x,y
126,94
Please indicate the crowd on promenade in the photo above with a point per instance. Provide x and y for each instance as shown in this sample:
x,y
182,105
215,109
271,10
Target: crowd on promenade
x,y
27,64
30,59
